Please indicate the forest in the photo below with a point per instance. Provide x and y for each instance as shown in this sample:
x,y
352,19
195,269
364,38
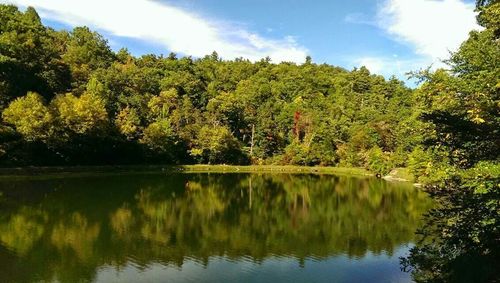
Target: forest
x,y
66,98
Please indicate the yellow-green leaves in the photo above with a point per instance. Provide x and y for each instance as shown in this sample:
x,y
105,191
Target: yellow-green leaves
x,y
128,122
30,116
80,114
214,143
475,116
159,136
66,113
160,106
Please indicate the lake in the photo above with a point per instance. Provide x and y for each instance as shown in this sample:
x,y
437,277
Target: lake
x,y
190,227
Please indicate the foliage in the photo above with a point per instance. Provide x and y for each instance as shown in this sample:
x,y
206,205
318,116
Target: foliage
x,y
128,123
378,161
211,109
30,56
30,116
461,239
418,162
159,136
84,52
460,242
215,142
162,105
80,115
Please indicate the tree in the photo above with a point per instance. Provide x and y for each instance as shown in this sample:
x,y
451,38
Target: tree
x,y
30,116
227,109
162,105
30,57
215,144
85,51
378,161
80,115
460,241
159,136
129,123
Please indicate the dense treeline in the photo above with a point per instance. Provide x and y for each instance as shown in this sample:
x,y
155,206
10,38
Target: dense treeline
x,y
67,98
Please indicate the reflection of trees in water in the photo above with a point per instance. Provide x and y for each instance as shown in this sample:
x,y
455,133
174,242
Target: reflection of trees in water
x,y
23,229
88,223
76,234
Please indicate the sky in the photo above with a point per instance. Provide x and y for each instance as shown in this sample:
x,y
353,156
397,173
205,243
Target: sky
x,y
389,37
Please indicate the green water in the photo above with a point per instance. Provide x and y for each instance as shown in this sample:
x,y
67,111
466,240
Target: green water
x,y
206,228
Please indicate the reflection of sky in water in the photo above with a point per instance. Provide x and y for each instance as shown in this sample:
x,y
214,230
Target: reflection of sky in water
x,y
370,268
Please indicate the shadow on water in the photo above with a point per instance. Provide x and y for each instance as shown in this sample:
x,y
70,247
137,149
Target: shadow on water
x,y
135,226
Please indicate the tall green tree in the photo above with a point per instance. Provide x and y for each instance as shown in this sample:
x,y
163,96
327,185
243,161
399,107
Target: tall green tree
x,y
30,56
85,51
461,241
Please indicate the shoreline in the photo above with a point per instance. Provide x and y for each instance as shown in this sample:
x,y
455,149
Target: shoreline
x,y
199,168
60,171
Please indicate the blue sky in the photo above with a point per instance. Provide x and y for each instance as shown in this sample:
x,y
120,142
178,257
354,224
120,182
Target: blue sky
x,y
390,37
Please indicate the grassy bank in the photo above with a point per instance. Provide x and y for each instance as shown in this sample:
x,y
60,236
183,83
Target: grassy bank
x,y
274,169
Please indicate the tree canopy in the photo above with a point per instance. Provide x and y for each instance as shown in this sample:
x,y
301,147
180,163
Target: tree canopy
x,y
84,99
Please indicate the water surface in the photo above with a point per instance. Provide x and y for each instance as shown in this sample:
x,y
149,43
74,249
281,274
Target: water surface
x,y
206,228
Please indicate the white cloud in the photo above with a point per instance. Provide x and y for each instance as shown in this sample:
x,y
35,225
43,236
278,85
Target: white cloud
x,y
374,64
432,27
176,29
391,65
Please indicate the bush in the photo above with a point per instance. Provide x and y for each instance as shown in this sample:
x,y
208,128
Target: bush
x,y
418,162
378,161
216,144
